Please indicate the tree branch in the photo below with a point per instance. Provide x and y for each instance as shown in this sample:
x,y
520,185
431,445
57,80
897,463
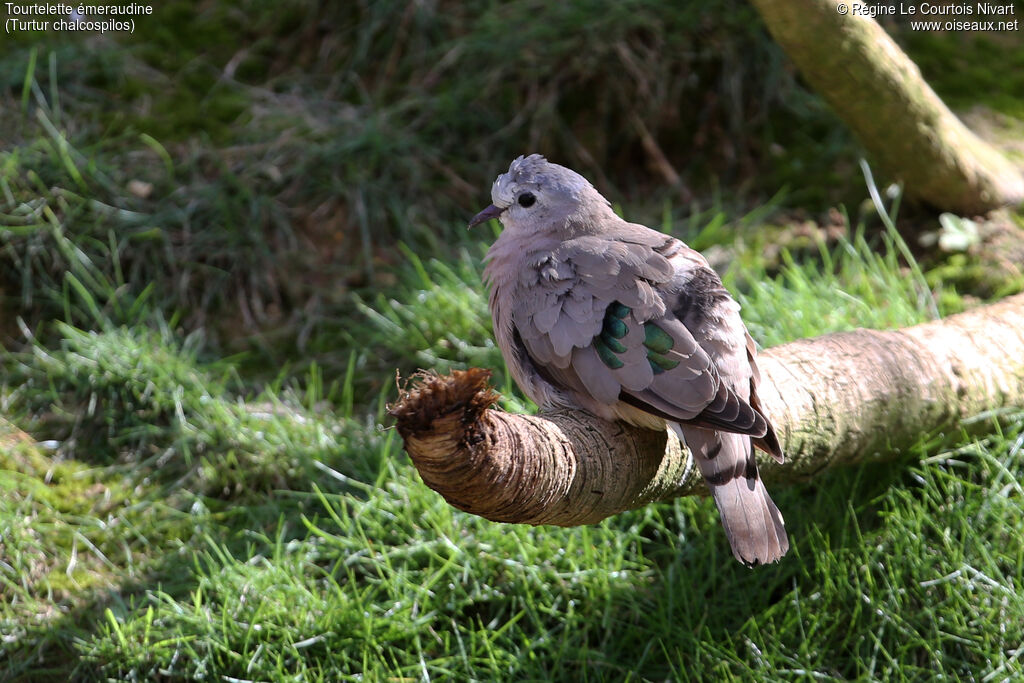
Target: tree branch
x,y
838,399
879,93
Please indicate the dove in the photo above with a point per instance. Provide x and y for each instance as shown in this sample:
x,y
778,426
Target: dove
x,y
593,312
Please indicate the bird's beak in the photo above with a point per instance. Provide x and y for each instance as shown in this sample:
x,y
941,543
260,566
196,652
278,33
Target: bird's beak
x,y
487,214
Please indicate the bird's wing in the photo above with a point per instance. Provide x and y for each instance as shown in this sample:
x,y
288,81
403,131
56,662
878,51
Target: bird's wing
x,y
606,318
770,442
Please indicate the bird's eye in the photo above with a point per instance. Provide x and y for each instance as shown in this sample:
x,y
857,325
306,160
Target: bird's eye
x,y
526,200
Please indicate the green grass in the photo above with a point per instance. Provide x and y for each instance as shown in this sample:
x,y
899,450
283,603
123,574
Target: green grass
x,y
206,486
296,123
183,524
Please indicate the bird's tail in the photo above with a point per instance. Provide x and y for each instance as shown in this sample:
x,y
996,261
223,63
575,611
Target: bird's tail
x,y
752,522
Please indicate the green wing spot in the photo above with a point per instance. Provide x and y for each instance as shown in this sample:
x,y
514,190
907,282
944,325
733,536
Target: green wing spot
x,y
607,343
660,363
657,339
613,327
613,344
606,355
618,310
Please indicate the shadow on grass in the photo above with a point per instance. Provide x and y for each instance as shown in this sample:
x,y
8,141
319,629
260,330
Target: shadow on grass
x,y
170,555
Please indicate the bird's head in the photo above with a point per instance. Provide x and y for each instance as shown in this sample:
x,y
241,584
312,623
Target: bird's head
x,y
536,196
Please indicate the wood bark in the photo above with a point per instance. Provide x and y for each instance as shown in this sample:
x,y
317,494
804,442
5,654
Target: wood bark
x,y
879,93
835,400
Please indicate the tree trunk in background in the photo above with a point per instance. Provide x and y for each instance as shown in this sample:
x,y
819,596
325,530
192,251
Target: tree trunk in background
x,y
878,91
838,399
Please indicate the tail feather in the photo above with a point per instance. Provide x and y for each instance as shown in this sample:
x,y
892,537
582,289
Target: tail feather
x,y
752,522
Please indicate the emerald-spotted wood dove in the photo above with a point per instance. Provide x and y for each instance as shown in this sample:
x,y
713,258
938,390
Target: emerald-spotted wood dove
x,y
628,323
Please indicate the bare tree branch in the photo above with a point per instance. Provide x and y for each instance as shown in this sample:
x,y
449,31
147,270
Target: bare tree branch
x,y
837,399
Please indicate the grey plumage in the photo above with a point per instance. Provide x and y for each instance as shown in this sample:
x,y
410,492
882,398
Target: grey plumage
x,y
593,312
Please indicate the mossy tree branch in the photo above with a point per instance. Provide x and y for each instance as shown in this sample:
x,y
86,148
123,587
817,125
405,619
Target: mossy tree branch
x,y
879,93
838,399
